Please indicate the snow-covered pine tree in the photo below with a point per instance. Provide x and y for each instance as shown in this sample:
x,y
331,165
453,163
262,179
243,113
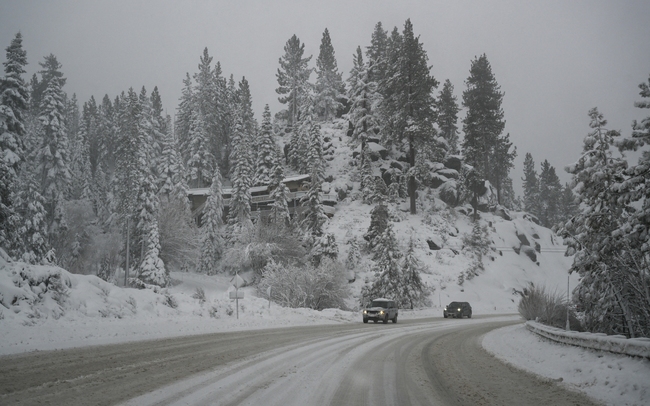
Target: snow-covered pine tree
x,y
314,214
152,269
504,158
184,117
158,129
531,186
635,227
410,103
550,190
388,281
568,205
363,98
171,172
483,147
52,154
330,88
414,290
354,255
602,292
280,194
241,171
293,77
200,163
14,98
325,246
376,54
267,157
448,116
31,242
378,223
80,168
127,173
213,244
104,139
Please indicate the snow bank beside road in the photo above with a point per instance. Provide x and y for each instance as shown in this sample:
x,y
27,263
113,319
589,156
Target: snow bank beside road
x,y
638,347
609,378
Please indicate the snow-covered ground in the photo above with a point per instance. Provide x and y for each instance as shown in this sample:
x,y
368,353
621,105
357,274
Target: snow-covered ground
x,y
612,379
96,312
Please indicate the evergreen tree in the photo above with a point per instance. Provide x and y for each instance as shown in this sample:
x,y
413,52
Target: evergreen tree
x,y
388,281
590,234
376,54
239,213
329,83
550,190
158,129
81,174
504,159
637,187
378,224
171,178
448,116
52,155
414,290
152,269
354,256
31,239
184,117
568,204
103,141
483,146
293,77
324,247
200,162
363,98
410,101
315,216
127,155
14,98
212,247
267,157
531,186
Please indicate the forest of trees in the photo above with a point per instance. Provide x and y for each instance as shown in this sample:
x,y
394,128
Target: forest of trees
x,y
99,186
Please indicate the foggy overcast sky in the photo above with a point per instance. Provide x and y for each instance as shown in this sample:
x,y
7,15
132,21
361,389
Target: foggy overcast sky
x,y
553,59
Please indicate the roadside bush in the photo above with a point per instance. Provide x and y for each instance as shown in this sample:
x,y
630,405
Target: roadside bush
x,y
549,308
261,244
315,287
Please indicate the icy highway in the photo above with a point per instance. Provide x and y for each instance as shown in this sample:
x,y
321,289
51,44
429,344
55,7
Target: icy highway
x,y
414,362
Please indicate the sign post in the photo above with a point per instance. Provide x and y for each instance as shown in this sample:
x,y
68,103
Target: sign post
x,y
268,293
238,282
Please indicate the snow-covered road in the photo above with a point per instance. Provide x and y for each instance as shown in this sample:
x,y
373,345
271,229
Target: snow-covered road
x,y
414,362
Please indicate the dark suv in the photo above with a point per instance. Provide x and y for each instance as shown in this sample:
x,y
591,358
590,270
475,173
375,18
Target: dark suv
x,y
381,309
458,310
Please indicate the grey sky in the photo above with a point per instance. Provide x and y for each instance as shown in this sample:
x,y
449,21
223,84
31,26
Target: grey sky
x,y
553,59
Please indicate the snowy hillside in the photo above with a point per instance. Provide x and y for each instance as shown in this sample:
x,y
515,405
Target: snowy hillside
x,y
522,252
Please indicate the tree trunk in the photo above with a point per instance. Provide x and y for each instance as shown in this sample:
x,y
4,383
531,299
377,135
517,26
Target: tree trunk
x,y
412,186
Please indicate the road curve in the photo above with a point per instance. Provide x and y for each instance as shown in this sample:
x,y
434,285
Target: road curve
x,y
415,362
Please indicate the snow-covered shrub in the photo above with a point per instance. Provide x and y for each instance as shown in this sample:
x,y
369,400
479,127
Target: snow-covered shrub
x,y
324,247
262,244
38,290
476,245
315,287
549,308
170,300
199,294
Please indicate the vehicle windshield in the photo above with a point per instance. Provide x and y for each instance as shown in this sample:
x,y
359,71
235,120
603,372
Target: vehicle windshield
x,y
454,304
379,303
